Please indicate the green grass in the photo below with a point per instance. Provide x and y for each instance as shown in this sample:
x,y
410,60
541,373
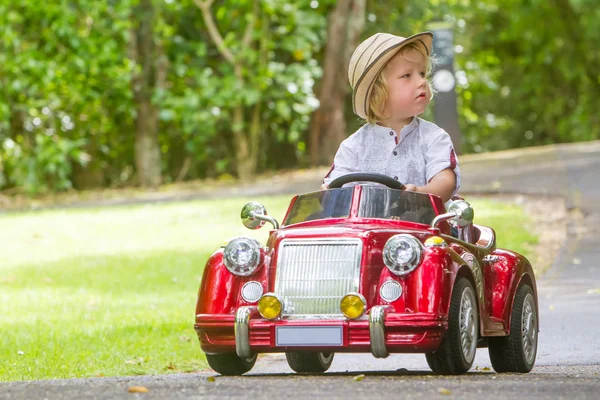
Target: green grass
x,y
112,291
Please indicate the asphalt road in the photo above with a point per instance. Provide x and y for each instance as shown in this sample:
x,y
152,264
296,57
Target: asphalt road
x,y
568,361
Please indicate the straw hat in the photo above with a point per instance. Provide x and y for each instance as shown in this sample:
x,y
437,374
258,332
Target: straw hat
x,y
368,60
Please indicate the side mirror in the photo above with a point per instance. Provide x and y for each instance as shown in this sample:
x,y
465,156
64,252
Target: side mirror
x,y
254,215
463,211
460,212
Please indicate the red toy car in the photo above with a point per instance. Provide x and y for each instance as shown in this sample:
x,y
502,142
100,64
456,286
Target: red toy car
x,y
368,268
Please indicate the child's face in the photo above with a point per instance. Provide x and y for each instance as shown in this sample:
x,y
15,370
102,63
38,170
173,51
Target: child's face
x,y
408,90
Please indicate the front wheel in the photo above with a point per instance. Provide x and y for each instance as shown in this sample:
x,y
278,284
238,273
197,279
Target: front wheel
x,y
230,363
303,362
457,350
517,351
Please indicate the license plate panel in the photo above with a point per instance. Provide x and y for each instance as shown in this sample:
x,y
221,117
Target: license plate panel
x,y
309,336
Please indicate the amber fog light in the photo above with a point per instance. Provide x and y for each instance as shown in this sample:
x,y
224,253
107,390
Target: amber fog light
x,y
269,306
353,305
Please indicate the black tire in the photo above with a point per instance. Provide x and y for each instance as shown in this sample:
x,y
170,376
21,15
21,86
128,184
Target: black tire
x,y
459,345
517,351
230,363
303,362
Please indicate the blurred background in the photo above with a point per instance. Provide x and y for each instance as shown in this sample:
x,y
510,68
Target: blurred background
x,y
114,93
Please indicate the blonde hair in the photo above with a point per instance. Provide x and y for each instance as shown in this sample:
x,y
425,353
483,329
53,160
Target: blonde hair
x,y
380,93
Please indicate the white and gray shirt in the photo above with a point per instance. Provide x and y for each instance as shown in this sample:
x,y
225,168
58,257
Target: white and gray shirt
x,y
421,151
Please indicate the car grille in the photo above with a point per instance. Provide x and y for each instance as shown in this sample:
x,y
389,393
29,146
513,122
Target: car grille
x,y
313,275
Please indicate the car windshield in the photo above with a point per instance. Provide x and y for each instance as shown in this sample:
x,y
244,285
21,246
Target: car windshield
x,y
333,203
381,202
375,202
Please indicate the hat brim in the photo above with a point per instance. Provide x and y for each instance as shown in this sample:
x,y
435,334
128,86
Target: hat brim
x,y
364,86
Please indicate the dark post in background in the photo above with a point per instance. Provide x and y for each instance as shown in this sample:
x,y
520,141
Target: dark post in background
x,y
444,82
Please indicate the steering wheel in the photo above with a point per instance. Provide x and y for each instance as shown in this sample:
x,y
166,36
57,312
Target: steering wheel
x,y
368,177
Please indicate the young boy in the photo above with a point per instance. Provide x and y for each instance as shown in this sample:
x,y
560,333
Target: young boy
x,y
388,77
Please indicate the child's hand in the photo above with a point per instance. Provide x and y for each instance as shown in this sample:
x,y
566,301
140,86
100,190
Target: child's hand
x,y
324,187
411,188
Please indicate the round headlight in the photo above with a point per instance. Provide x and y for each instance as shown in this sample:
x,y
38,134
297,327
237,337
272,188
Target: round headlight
x,y
242,256
402,254
353,305
269,306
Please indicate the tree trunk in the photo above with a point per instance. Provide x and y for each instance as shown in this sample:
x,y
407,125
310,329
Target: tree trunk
x,y
147,152
328,126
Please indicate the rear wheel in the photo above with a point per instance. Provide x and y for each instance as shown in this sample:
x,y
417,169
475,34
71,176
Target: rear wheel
x,y
457,350
304,362
517,351
230,363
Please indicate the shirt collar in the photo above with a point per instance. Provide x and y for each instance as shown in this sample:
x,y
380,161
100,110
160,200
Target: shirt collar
x,y
385,131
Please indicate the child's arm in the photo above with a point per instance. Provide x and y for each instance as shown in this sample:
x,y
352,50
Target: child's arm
x,y
442,184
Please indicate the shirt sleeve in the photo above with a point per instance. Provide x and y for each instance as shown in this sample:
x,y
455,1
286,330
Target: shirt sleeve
x,y
344,162
441,155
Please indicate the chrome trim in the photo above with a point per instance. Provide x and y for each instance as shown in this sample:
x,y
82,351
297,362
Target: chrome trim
x,y
249,268
529,330
272,220
463,211
390,282
253,211
247,286
313,275
240,327
490,259
409,266
468,325
361,297
442,217
377,331
475,267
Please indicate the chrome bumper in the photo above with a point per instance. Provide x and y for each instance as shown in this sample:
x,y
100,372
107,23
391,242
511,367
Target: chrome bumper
x,y
377,331
242,337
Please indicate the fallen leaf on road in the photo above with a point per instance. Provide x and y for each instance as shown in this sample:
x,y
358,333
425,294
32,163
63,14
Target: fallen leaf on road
x,y
576,261
551,308
444,391
210,379
593,291
485,369
359,377
137,389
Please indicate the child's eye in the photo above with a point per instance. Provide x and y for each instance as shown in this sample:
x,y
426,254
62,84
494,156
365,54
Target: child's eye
x,y
422,74
405,76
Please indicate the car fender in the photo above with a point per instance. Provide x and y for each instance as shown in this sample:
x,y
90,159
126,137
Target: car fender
x,y
220,290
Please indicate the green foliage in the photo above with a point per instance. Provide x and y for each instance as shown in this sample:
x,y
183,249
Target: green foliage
x,y
278,72
531,73
65,87
527,75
